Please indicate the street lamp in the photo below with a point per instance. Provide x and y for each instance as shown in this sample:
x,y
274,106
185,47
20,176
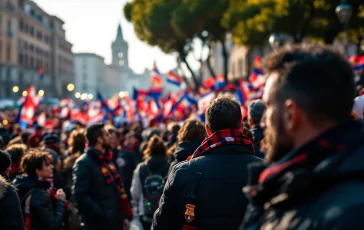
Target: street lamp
x,y
16,89
70,87
77,95
90,96
343,12
41,93
276,41
25,93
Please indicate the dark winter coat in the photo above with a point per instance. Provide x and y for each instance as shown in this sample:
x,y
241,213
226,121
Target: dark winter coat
x,y
97,201
220,202
184,150
45,214
11,215
258,137
324,195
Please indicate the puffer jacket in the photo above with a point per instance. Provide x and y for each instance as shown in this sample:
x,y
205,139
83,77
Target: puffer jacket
x,y
45,213
11,215
220,202
97,201
184,150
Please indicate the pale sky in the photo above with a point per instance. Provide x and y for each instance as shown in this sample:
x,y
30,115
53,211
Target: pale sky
x,y
91,26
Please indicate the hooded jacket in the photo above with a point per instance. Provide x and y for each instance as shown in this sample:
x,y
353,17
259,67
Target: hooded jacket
x,y
184,150
11,215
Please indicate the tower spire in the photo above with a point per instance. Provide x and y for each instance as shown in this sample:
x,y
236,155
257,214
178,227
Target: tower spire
x,y
119,35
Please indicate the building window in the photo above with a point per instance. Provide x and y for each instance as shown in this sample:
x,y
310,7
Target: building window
x,y
31,31
8,52
20,57
31,62
31,48
39,35
21,25
10,32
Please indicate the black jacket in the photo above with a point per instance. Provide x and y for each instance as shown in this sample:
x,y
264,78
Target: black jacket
x,y
45,214
220,202
184,150
324,195
11,215
97,202
258,137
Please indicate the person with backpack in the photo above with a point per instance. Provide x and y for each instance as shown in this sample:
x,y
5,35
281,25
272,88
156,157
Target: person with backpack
x,y
43,206
149,179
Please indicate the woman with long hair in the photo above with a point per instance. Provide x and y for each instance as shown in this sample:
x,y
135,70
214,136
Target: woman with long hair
x,y
76,144
189,137
148,180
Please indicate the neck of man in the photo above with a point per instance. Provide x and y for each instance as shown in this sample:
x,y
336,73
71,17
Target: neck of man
x,y
100,148
309,132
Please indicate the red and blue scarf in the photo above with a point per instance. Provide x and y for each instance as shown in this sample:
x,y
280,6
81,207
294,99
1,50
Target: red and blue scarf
x,y
111,175
221,138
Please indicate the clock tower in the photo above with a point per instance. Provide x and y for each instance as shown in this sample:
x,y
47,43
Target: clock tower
x,y
120,51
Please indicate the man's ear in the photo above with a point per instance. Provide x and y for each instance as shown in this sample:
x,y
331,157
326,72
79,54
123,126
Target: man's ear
x,y
208,130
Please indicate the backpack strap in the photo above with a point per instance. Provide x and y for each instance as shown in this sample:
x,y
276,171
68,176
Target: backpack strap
x,y
144,172
27,215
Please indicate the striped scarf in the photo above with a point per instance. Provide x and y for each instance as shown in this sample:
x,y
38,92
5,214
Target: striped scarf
x,y
220,138
217,139
111,175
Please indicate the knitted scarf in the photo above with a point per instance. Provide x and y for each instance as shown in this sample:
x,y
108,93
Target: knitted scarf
x,y
111,175
327,144
217,139
220,138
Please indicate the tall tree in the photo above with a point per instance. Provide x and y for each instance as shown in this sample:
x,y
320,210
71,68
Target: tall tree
x,y
252,21
202,19
152,24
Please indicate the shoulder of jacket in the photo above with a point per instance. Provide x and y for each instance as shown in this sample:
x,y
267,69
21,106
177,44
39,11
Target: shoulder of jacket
x,y
4,185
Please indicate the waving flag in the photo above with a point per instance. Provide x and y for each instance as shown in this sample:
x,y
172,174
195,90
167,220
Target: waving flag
x,y
156,78
41,72
174,79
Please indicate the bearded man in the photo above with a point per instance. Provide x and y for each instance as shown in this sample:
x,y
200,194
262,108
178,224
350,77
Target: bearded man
x,y
314,150
97,188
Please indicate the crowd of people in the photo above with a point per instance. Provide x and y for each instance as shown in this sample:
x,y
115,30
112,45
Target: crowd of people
x,y
294,163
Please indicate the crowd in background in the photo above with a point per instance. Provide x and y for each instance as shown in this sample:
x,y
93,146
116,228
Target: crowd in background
x,y
189,175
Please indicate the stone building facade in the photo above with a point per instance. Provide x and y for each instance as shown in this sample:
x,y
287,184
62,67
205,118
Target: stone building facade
x,y
30,40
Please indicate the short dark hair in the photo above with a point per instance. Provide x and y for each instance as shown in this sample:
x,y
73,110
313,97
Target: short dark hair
x,y
33,160
255,111
223,113
93,132
316,77
5,161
